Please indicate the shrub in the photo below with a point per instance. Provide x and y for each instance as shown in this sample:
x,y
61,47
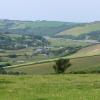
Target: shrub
x,y
12,56
2,71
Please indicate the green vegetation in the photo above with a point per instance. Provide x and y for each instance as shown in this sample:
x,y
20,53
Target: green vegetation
x,y
61,65
41,48
82,64
87,28
50,87
61,42
16,42
88,51
47,28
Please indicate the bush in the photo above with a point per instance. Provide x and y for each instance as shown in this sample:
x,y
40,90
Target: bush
x,y
5,64
15,73
12,56
78,72
2,71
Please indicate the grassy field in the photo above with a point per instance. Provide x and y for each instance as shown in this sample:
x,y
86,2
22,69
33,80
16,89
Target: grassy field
x,y
67,43
82,29
77,65
50,87
88,51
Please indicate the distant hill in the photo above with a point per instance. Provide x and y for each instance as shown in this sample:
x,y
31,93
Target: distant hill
x,y
38,27
82,32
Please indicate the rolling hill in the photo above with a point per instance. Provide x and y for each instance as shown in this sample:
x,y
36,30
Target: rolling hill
x,y
88,51
35,27
87,28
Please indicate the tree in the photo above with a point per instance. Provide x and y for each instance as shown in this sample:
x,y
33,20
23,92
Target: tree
x,y
2,71
61,65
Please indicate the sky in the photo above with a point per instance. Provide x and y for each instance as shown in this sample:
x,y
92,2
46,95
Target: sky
x,y
58,10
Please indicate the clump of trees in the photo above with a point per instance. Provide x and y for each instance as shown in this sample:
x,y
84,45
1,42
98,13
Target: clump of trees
x,y
4,65
4,72
12,56
61,65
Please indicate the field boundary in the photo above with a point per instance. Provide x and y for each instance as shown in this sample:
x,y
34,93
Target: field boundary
x,y
46,61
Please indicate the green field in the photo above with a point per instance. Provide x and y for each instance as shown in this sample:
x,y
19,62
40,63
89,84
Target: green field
x,y
88,51
60,42
86,64
82,29
50,87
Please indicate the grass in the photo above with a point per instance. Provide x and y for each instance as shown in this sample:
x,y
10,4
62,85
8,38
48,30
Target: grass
x,y
67,43
88,51
82,29
50,87
91,63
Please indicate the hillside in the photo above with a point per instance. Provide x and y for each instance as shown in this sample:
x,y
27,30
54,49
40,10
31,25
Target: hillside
x,y
87,28
88,51
35,27
77,64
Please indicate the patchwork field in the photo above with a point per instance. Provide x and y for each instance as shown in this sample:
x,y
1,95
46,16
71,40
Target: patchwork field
x,y
50,87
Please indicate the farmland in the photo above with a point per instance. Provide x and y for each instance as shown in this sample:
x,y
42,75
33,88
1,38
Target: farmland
x,y
88,51
28,51
76,31
86,64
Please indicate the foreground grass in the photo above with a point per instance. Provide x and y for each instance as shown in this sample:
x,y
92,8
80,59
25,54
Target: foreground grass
x,y
50,87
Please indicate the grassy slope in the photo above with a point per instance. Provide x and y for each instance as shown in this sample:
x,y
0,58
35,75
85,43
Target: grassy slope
x,y
82,29
66,42
88,51
78,64
50,87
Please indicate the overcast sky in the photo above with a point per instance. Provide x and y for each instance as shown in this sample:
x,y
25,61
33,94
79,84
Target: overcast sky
x,y
61,10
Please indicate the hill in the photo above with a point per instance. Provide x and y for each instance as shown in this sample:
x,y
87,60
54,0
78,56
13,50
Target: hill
x,y
88,51
80,30
35,27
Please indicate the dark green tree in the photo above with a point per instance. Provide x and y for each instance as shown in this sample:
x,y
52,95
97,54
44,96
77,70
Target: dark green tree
x,y
2,71
61,65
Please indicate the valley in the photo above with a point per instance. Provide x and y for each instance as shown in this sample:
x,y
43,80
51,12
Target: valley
x,y
29,50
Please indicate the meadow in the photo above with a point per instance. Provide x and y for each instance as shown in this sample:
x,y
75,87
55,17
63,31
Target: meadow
x,y
88,51
50,87
76,31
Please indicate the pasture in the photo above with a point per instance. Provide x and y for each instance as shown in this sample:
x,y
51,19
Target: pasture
x,y
76,31
50,87
86,64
